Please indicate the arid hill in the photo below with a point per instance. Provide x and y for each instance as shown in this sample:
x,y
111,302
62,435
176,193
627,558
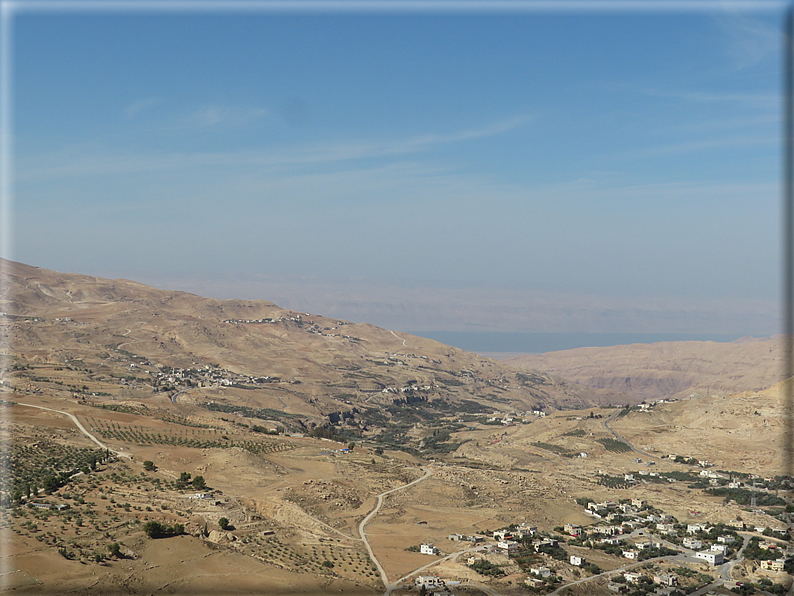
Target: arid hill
x,y
313,368
639,372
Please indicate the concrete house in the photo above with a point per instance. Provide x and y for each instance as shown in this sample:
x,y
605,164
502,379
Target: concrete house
x,y
429,581
666,579
693,543
632,578
719,548
778,565
509,546
711,557
428,549
534,582
549,542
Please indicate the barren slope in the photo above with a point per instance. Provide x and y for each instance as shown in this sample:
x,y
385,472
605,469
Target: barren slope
x,y
314,365
670,369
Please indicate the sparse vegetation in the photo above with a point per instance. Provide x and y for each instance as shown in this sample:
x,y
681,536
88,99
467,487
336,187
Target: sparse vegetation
x,y
614,445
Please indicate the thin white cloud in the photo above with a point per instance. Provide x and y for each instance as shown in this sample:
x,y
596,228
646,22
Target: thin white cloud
x,y
71,163
754,100
750,40
135,108
214,115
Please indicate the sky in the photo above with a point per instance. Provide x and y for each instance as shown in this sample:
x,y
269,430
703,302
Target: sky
x,y
530,171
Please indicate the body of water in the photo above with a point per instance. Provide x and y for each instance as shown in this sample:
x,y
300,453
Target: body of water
x,y
538,343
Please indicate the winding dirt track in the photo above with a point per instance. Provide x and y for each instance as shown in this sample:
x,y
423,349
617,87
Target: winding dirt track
x,y
80,427
373,513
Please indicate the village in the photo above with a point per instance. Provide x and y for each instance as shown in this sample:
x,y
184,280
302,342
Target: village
x,y
651,553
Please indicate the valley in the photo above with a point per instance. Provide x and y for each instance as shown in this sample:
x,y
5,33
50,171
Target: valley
x,y
163,443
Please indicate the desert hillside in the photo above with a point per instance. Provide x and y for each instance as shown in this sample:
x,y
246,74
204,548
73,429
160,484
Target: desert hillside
x,y
315,369
161,442
666,370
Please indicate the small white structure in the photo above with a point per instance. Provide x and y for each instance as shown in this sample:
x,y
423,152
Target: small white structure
x,y
508,545
778,565
692,543
578,561
711,557
429,581
543,572
632,578
630,554
719,548
428,549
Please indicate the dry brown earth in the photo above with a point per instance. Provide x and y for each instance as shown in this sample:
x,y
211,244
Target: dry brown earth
x,y
638,372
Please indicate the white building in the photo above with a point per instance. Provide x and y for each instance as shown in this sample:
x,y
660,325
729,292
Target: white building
x,y
711,557
632,578
429,581
578,561
778,565
428,549
719,548
508,545
541,571
693,543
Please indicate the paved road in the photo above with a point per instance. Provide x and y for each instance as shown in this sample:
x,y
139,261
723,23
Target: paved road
x,y
80,427
373,513
395,584
619,438
176,395
617,571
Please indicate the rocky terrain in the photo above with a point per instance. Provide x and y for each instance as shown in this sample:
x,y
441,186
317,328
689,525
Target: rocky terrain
x,y
313,370
638,372
163,443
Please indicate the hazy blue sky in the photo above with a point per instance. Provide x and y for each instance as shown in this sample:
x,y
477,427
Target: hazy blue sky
x,y
597,165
